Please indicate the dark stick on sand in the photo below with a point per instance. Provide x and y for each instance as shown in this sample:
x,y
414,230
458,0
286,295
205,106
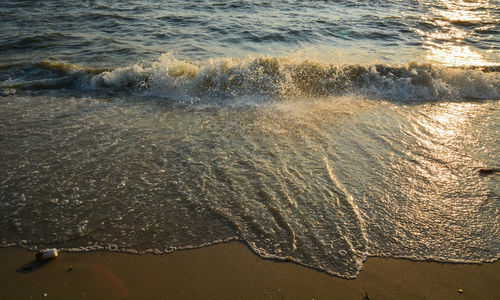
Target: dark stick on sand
x,y
488,171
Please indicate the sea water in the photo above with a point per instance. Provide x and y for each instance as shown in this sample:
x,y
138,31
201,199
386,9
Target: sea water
x,y
320,132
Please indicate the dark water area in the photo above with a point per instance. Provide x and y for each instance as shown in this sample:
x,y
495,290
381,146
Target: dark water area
x,y
112,34
321,132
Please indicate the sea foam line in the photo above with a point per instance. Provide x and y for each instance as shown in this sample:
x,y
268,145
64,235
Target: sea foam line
x,y
272,78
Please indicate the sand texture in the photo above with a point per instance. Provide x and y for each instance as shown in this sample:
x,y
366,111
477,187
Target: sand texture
x,y
232,271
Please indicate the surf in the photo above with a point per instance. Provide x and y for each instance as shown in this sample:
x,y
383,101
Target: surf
x,y
263,76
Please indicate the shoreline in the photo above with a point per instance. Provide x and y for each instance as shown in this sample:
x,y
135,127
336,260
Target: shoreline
x,y
230,270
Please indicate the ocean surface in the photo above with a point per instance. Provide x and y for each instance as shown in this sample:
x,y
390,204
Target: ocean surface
x,y
319,132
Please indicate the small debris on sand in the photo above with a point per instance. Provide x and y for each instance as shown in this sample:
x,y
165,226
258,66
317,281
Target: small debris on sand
x,y
488,171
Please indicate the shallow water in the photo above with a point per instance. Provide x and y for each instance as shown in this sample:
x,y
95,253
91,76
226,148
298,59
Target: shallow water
x,y
310,134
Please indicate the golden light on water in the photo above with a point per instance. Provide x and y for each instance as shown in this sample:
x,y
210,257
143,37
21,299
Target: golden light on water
x,y
448,121
440,126
443,129
445,44
462,11
456,55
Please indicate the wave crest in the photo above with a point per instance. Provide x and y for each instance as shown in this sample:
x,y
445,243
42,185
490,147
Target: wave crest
x,y
282,77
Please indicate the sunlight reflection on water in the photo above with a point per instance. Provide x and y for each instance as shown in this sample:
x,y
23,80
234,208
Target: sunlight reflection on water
x,y
456,21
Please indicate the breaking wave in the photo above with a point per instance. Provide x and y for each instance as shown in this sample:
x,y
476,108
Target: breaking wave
x,y
270,77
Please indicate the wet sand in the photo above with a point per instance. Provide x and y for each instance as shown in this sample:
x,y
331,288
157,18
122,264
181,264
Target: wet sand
x,y
232,271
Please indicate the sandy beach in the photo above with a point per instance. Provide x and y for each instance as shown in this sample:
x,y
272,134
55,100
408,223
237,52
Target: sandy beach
x,y
232,271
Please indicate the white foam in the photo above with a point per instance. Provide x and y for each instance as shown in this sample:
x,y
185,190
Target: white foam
x,y
279,77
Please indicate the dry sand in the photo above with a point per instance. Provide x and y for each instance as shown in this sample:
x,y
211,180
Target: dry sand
x,y
232,271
